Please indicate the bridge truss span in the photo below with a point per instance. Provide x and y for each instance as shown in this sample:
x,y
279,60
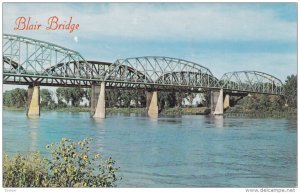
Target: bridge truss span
x,y
251,82
27,60
159,72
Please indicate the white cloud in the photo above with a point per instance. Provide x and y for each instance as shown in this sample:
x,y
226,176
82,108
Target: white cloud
x,y
199,22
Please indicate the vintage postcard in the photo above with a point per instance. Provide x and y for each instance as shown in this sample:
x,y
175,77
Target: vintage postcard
x,y
150,95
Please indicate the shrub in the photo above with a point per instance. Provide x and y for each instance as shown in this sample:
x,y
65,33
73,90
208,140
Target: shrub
x,y
25,171
70,165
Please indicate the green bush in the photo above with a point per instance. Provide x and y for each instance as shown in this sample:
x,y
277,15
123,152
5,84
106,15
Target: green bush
x,y
70,165
25,171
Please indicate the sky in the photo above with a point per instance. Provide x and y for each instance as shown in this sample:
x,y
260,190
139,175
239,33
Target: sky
x,y
223,37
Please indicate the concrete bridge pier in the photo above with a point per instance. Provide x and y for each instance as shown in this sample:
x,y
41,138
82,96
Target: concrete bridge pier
x,y
33,100
217,103
98,101
152,106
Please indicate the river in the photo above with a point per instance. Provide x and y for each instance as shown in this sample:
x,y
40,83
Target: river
x,y
172,151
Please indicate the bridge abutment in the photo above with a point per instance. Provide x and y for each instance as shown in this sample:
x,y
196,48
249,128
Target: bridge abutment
x,y
33,101
98,101
152,107
217,103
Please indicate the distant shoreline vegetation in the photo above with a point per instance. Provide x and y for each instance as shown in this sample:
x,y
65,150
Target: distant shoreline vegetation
x,y
170,103
171,111
289,112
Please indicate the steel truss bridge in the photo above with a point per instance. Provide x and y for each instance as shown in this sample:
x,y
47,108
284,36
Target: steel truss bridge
x,y
27,61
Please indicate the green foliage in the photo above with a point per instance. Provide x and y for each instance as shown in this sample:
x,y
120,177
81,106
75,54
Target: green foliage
x,y
206,97
290,87
73,109
74,95
186,111
259,103
170,99
87,93
71,165
25,171
270,103
126,110
179,98
262,103
47,99
123,98
15,98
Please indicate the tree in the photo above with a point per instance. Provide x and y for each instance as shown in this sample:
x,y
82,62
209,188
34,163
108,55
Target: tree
x,y
15,98
77,95
87,94
142,98
171,99
60,94
74,95
271,103
290,87
125,98
46,97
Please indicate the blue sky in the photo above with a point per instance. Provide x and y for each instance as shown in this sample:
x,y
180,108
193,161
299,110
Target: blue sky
x,y
221,36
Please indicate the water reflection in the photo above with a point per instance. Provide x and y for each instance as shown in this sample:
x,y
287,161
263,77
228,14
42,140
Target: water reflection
x,y
97,121
152,121
33,126
219,121
214,121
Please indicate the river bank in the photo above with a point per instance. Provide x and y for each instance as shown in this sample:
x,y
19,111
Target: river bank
x,y
167,111
172,111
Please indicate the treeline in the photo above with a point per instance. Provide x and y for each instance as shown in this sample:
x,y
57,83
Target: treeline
x,y
75,97
18,97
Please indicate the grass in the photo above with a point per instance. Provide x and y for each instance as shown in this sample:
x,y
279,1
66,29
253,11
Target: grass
x,y
14,108
186,111
167,111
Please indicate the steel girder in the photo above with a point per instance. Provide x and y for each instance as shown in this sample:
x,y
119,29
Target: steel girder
x,y
27,60
157,72
251,82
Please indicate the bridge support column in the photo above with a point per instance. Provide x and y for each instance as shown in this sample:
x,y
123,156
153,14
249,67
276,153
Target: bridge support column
x,y
226,101
217,103
98,101
33,101
152,107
